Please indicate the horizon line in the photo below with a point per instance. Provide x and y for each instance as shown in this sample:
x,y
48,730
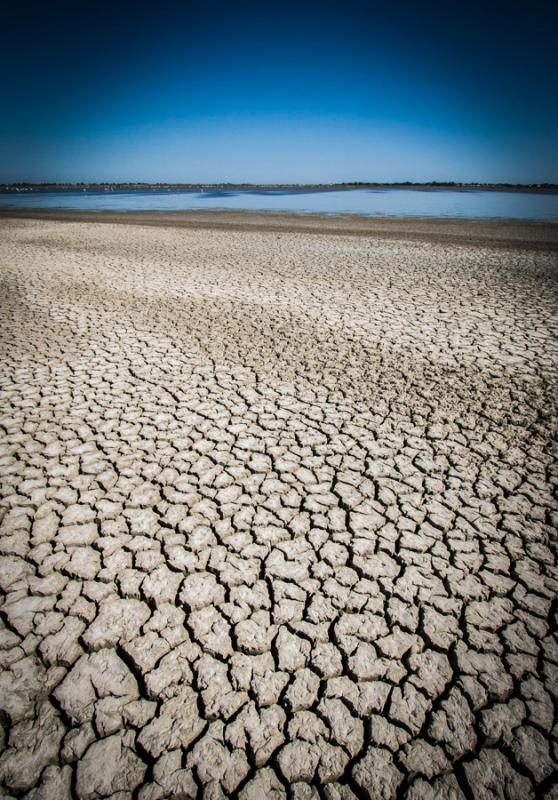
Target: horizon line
x,y
259,184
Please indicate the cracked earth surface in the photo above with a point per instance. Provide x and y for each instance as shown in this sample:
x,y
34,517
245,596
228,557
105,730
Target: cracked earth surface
x,y
278,516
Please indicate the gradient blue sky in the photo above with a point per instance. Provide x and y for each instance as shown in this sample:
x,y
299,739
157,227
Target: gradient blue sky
x,y
279,92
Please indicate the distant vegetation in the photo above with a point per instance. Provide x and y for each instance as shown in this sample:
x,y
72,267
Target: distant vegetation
x,y
544,187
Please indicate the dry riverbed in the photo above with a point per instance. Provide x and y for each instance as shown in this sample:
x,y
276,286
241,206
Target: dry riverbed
x,y
278,508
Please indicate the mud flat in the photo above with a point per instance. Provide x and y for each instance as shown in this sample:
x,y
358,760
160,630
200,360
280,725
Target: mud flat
x,y
278,508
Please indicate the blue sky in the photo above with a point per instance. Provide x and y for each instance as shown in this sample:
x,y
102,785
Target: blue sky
x,y
282,92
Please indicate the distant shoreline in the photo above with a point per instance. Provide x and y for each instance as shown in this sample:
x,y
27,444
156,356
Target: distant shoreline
x,y
550,188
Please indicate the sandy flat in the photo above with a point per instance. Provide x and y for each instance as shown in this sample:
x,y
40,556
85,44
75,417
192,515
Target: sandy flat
x,y
279,507
520,233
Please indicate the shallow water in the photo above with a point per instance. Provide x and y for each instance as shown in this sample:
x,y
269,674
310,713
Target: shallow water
x,y
390,202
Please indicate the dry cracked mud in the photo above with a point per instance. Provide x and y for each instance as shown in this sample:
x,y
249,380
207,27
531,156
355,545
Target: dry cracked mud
x,y
278,515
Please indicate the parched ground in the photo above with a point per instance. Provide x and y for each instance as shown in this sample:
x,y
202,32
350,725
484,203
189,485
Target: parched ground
x,y
279,515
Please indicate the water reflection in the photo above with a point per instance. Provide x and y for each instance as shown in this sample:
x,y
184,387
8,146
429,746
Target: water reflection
x,y
207,195
378,202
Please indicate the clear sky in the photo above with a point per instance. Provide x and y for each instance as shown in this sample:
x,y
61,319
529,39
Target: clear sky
x,y
279,91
